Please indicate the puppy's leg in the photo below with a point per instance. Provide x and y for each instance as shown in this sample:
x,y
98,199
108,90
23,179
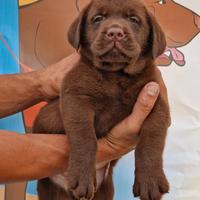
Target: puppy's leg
x,y
44,191
49,120
150,180
106,190
78,119
49,191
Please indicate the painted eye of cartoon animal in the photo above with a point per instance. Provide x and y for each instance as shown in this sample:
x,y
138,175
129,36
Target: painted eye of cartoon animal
x,y
178,34
162,2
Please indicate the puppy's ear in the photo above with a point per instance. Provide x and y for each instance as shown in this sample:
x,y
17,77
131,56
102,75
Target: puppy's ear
x,y
157,37
76,29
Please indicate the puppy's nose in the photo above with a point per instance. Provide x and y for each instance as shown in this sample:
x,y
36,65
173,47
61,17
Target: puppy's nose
x,y
115,34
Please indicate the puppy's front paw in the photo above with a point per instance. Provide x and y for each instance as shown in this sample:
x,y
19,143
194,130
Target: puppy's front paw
x,y
150,185
82,185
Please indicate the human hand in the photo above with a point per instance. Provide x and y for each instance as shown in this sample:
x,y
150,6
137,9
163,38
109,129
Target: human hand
x,y
124,136
52,76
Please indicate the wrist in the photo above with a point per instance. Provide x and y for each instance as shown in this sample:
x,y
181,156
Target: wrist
x,y
32,85
121,145
45,84
114,147
108,151
37,83
120,150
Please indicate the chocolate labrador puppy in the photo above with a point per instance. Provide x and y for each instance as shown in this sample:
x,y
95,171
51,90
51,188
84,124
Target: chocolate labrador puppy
x,y
118,42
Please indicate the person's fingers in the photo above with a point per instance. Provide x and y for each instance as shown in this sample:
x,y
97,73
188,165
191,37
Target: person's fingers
x,y
66,64
143,106
61,68
141,110
125,134
52,76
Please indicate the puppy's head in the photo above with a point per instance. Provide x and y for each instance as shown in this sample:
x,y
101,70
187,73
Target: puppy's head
x,y
117,35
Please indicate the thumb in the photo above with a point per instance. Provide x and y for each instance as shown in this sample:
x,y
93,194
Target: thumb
x,y
142,107
125,134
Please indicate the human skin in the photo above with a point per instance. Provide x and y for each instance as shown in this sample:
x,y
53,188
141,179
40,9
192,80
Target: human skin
x,y
30,88
35,156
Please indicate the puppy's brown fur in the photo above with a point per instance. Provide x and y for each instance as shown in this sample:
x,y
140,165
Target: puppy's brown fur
x,y
101,91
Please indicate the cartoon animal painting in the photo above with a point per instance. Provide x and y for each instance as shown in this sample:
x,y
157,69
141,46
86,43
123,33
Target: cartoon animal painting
x,y
44,24
43,37
43,30
180,24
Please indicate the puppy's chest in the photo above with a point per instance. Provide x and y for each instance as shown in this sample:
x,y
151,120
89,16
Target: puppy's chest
x,y
122,90
120,94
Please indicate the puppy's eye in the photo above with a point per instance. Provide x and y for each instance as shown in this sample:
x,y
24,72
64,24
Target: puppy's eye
x,y
134,20
98,18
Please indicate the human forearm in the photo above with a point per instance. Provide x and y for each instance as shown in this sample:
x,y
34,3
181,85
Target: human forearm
x,y
35,156
18,92
27,157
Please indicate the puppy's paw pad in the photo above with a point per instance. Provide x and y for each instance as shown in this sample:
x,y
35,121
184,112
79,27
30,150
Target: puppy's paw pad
x,y
149,186
82,187
84,192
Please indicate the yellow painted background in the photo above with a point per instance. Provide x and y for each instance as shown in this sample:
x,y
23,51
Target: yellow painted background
x,y
26,2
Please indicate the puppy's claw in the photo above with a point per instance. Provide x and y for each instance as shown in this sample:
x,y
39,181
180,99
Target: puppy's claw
x,y
150,186
163,186
82,186
136,190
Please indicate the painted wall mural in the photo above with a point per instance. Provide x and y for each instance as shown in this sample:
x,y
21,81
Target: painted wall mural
x,y
181,26
38,39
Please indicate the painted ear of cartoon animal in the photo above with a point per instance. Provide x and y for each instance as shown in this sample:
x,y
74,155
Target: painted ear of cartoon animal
x,y
76,28
157,37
